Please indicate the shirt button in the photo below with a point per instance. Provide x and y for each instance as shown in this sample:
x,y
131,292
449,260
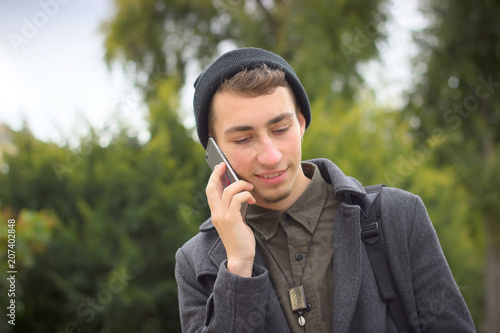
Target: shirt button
x,y
299,256
287,217
309,307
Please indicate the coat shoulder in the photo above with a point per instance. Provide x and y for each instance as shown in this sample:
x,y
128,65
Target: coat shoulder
x,y
399,203
402,212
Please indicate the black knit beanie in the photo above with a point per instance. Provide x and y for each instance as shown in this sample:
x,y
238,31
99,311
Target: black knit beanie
x,y
228,65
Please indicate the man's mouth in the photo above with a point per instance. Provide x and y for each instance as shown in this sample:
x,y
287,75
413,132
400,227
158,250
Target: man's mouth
x,y
272,175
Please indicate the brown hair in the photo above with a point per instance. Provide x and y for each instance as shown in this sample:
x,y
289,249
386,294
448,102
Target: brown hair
x,y
253,82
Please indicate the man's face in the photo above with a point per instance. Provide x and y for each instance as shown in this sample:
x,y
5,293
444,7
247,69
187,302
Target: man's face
x,y
261,137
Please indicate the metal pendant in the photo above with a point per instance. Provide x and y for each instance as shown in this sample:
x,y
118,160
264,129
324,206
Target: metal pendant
x,y
297,299
302,321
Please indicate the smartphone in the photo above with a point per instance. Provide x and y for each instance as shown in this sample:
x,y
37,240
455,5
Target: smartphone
x,y
214,156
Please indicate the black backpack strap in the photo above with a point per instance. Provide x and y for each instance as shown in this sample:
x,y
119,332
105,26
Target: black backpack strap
x,y
371,234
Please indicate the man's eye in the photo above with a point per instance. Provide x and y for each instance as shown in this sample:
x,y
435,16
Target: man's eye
x,y
241,141
281,130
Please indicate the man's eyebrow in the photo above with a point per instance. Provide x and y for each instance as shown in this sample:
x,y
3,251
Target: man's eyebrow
x,y
273,121
280,118
239,129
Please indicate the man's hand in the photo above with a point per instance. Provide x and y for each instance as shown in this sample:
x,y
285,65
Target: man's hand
x,y
236,235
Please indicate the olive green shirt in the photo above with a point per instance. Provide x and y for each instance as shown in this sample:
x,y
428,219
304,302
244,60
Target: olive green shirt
x,y
287,236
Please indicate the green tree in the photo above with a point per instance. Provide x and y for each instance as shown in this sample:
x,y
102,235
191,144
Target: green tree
x,y
458,94
98,227
323,40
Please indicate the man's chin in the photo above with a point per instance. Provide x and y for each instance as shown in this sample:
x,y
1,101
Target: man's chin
x,y
276,197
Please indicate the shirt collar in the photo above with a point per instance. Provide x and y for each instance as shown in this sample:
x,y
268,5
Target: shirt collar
x,y
306,210
308,207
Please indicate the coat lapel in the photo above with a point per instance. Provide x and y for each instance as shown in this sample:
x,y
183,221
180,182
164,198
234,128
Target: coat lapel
x,y
217,255
346,266
346,245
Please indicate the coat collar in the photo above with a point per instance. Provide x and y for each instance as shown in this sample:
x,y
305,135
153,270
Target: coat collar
x,y
217,255
342,184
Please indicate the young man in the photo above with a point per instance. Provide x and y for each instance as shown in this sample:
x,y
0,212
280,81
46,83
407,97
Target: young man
x,y
296,261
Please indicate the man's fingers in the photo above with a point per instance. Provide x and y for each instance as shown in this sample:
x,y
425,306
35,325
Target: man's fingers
x,y
214,185
240,198
226,200
220,198
232,190
215,177
215,188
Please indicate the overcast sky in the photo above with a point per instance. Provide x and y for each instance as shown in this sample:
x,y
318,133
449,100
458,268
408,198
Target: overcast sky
x,y
52,72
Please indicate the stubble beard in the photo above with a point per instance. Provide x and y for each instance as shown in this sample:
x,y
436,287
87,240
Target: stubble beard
x,y
277,197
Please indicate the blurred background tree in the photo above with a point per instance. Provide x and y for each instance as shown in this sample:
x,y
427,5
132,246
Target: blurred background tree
x,y
458,95
89,216
116,208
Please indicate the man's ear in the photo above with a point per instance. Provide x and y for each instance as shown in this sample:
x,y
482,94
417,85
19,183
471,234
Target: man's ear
x,y
302,122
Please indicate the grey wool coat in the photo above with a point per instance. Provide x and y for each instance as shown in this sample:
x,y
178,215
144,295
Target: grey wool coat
x,y
213,300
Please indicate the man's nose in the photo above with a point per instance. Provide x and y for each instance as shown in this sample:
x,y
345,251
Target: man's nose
x,y
268,154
